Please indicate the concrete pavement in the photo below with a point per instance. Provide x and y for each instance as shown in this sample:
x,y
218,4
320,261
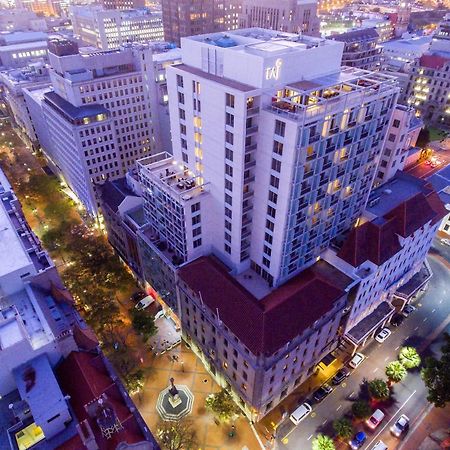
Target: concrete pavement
x,y
409,397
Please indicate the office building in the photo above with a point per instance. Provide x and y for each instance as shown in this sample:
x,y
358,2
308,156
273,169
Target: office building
x,y
101,115
55,383
382,25
290,16
386,253
401,138
441,182
123,4
108,29
20,48
21,20
12,83
183,18
361,48
428,90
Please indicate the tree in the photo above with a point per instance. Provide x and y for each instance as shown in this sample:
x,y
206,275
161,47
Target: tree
x,y
378,389
436,375
323,442
222,405
395,371
178,435
361,409
343,428
409,357
143,323
134,381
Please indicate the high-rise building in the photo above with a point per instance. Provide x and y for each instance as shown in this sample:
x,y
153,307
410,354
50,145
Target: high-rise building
x,y
109,29
101,114
427,90
183,18
123,4
401,137
361,48
292,16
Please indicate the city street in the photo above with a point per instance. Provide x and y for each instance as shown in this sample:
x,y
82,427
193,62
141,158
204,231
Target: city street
x,y
422,330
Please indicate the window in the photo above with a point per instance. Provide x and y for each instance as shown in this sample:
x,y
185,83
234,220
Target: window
x,y
227,248
185,158
228,199
229,137
270,225
229,119
196,231
271,211
228,213
274,181
183,143
228,185
273,197
180,81
278,147
228,170
229,154
180,98
196,219
276,165
268,238
267,250
182,128
229,100
228,225
391,137
197,243
195,207
182,113
383,163
396,123
227,237
280,127
266,262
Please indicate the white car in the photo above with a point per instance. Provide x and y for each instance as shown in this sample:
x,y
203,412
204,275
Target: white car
x,y
300,413
144,303
445,241
400,426
383,335
357,359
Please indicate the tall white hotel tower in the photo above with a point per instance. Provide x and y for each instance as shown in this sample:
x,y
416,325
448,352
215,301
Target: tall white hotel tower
x,y
275,148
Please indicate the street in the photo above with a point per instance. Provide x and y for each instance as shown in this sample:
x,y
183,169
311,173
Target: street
x,y
421,329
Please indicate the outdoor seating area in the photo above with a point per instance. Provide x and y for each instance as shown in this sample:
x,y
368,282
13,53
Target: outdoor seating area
x,y
168,336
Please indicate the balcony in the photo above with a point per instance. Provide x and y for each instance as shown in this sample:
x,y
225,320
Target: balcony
x,y
247,194
250,147
252,111
249,164
251,130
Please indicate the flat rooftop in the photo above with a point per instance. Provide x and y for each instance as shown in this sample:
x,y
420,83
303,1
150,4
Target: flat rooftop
x,y
23,46
260,41
393,193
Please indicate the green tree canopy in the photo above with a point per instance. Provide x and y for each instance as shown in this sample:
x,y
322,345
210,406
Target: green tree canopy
x,y
395,371
343,428
361,409
222,405
178,435
409,357
143,323
436,375
378,389
323,442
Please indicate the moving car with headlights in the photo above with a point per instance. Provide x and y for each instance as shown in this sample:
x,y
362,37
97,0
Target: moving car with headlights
x,y
400,426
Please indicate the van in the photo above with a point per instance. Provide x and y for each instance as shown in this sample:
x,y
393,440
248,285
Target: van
x,y
380,445
300,413
144,303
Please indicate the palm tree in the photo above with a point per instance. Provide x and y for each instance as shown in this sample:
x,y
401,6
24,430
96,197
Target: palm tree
x,y
323,442
395,371
378,389
409,357
343,428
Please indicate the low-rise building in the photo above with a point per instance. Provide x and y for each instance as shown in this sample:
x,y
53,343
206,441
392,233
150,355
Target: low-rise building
x,y
402,135
20,48
386,251
107,29
21,20
382,25
261,349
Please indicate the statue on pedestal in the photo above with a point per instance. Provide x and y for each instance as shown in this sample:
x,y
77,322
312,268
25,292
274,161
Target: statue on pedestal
x,y
174,397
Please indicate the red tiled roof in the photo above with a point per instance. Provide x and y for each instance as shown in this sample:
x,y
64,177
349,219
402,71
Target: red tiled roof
x,y
267,324
84,377
85,338
433,61
378,241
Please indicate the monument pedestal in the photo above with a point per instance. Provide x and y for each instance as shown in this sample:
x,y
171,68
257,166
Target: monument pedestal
x,y
175,400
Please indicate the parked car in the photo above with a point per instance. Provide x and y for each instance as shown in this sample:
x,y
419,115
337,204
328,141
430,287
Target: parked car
x,y
400,426
340,376
380,445
397,319
445,241
322,392
375,419
144,303
408,309
357,359
300,413
383,335
358,440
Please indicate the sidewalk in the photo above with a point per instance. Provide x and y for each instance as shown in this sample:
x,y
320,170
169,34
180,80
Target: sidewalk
x,y
189,371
